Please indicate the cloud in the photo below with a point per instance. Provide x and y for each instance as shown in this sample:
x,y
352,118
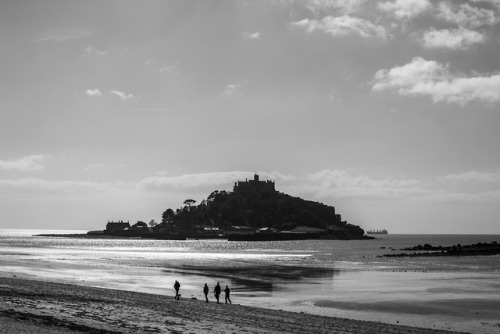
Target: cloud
x,y
207,181
37,185
25,164
422,77
62,35
163,67
343,25
469,187
405,9
192,183
96,166
481,197
338,184
465,15
342,184
493,3
473,176
174,109
191,180
123,96
252,36
332,96
233,90
461,38
92,51
93,92
343,6
168,68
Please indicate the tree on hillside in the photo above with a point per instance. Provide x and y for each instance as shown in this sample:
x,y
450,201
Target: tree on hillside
x,y
212,196
167,215
140,225
189,202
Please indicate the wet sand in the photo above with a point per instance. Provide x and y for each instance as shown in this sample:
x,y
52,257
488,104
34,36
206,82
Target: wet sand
x,y
446,301
28,305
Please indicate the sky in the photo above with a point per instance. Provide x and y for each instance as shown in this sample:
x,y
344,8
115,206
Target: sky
x,y
117,110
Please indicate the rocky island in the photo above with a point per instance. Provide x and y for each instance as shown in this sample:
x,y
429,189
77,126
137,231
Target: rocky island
x,y
253,211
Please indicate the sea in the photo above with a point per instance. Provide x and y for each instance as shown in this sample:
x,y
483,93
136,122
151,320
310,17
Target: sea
x,y
340,278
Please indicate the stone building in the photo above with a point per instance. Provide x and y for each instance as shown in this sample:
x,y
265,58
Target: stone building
x,y
254,185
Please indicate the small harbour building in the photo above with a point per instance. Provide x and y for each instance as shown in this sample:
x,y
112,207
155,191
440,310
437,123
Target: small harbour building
x,y
117,226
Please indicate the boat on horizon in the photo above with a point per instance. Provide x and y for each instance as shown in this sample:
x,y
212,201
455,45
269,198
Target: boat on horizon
x,y
383,231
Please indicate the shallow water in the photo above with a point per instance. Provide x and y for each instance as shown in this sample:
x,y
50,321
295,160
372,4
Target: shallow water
x,y
328,277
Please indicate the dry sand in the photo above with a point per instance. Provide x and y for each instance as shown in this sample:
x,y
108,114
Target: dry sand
x,y
34,306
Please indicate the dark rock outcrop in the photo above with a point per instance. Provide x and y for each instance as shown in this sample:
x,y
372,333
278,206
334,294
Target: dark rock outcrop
x,y
427,250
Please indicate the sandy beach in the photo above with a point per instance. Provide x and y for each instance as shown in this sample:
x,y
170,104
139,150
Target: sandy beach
x,y
46,307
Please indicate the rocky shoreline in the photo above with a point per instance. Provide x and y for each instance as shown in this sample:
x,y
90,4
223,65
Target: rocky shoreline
x,y
427,250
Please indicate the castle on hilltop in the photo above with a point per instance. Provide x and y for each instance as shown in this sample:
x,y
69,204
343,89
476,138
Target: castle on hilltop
x,y
254,185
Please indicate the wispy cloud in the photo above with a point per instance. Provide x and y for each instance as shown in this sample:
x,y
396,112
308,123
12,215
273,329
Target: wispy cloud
x,y
93,92
343,6
461,38
405,9
343,184
168,69
332,96
466,15
164,67
423,77
328,184
252,36
27,163
191,180
38,185
233,90
62,35
100,166
473,176
96,92
204,180
92,51
169,109
123,96
343,25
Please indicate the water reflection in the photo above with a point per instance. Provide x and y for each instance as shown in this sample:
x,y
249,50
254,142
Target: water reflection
x,y
259,279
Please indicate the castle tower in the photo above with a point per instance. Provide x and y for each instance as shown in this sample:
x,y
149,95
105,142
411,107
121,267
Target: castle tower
x,y
255,185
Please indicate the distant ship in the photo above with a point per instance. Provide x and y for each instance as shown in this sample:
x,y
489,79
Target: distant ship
x,y
384,231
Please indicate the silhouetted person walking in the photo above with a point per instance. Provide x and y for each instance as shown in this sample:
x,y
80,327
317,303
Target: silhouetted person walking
x,y
217,292
205,291
227,291
177,286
